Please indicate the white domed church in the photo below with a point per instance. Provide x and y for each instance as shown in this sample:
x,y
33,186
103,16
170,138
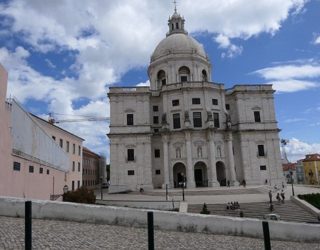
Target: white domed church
x,y
185,128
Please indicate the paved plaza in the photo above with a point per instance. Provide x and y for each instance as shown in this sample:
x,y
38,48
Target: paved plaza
x,y
49,234
217,195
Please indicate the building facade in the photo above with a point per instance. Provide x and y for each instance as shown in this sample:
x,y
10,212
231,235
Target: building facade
x,y
185,128
91,169
72,145
31,164
311,166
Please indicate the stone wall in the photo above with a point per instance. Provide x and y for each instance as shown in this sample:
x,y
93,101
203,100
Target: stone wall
x,y
162,220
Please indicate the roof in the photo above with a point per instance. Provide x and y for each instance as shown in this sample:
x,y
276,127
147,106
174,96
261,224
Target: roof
x,y
89,152
288,166
312,157
178,43
37,117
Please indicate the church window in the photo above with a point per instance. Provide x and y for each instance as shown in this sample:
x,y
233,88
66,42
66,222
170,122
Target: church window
x,y
129,119
216,120
158,171
72,185
157,153
130,154
204,76
184,74
257,116
73,166
161,77
261,150
156,119
130,172
54,138
155,108
40,170
175,102
172,26
176,121
177,25
197,120
48,171
196,101
214,101
156,130
61,143
263,167
227,106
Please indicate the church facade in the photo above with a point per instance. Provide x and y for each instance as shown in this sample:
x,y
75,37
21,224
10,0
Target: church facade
x,y
185,128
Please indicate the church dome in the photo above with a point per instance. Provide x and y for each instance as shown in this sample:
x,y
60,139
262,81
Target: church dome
x,y
178,43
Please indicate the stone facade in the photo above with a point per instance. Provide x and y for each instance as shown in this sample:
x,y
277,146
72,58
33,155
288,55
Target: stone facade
x,y
185,128
90,169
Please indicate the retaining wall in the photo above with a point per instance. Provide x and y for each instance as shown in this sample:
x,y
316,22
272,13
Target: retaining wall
x,y
14,207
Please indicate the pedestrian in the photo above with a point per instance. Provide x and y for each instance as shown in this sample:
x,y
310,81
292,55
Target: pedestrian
x,y
282,185
270,196
282,196
228,183
278,197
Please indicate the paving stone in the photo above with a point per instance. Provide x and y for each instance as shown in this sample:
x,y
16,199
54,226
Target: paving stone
x,y
52,234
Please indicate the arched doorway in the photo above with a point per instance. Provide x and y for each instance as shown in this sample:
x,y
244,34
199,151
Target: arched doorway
x,y
221,173
179,174
200,174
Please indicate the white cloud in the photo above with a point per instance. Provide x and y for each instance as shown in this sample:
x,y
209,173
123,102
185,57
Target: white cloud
x,y
297,149
294,120
295,76
317,40
284,72
232,50
143,84
292,85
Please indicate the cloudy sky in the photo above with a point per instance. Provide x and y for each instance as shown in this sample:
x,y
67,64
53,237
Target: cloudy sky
x,y
63,55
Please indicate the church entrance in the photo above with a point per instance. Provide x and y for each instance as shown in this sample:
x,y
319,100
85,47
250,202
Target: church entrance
x,y
200,174
221,173
179,174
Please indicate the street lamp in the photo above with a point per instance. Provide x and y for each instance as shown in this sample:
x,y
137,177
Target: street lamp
x,y
101,178
291,173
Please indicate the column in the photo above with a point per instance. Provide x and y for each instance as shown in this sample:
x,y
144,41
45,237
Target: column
x,y
212,161
165,161
190,172
233,181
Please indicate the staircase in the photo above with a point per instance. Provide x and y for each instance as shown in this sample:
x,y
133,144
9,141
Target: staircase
x,y
288,211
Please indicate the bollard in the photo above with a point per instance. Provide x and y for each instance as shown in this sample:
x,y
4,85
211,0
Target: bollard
x,y
166,192
266,235
28,225
150,231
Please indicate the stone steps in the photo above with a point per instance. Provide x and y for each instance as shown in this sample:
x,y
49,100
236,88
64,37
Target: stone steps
x,y
288,211
222,191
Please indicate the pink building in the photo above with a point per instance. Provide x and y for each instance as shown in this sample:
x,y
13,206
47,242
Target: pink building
x,y
32,163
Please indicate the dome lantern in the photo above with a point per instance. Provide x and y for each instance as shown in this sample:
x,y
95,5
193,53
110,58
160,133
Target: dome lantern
x,y
176,23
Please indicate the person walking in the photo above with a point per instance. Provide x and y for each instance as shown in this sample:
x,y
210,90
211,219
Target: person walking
x,y
278,197
282,196
270,196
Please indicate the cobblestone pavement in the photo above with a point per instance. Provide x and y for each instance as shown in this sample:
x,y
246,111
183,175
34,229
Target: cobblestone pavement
x,y
49,234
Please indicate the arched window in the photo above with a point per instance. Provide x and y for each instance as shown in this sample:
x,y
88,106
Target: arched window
x,y
161,78
177,25
184,74
172,26
204,76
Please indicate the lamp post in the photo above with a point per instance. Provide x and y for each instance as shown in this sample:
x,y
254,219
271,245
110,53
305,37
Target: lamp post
x,y
291,173
183,185
101,191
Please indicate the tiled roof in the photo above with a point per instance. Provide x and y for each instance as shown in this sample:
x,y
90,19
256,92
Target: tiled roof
x,y
288,166
312,157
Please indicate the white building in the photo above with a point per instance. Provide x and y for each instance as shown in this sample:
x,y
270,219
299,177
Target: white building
x,y
187,128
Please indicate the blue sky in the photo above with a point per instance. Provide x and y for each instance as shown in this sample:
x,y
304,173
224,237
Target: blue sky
x,y
62,56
